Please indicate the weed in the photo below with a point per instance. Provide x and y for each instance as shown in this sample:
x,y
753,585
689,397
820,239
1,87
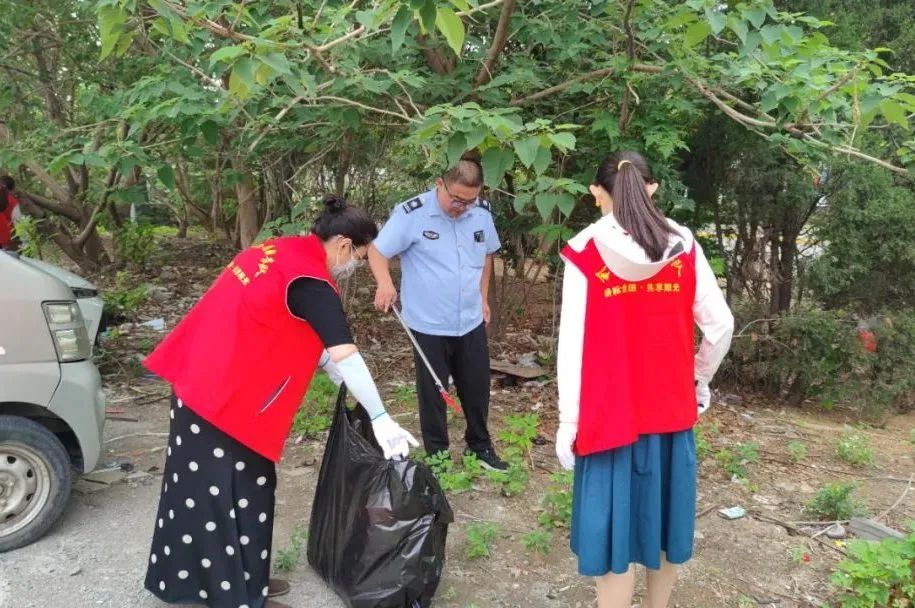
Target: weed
x,y
704,434
557,504
288,558
450,479
746,601
854,448
134,243
519,434
797,451
512,481
123,300
316,413
537,541
834,502
480,537
878,574
405,394
735,462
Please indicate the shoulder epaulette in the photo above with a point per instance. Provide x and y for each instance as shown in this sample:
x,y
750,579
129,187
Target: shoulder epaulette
x,y
412,205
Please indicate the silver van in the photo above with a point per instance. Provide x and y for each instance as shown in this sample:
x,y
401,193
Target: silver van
x,y
52,408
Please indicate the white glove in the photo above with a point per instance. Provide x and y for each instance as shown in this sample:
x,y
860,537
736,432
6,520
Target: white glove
x,y
565,439
703,397
393,439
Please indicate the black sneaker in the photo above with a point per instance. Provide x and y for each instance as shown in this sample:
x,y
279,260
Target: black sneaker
x,y
489,460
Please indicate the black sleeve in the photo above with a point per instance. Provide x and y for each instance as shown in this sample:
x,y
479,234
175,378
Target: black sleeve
x,y
315,302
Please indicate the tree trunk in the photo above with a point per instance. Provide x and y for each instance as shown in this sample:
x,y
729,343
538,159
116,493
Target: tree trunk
x,y
247,204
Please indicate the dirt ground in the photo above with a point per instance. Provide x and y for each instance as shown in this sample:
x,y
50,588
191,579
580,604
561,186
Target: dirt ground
x,y
96,555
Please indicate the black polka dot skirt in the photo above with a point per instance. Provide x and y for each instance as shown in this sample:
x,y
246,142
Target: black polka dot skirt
x,y
214,528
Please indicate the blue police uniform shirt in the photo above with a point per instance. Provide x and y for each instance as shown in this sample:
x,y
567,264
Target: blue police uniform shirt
x,y
441,261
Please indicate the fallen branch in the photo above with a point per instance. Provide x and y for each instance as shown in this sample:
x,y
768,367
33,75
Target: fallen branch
x,y
898,500
121,437
796,530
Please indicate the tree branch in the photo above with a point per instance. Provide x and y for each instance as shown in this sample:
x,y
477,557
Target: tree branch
x,y
359,31
357,104
498,44
66,211
645,68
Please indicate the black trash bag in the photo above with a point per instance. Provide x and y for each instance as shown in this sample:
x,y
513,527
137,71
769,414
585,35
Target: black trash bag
x,y
378,527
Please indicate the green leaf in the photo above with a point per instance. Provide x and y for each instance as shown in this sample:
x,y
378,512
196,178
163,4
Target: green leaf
x,y
548,201
521,201
277,61
894,113
771,33
452,27
543,160
739,27
366,18
496,162
457,145
756,15
906,98
210,132
227,54
461,5
685,16
752,43
428,16
399,28
166,176
111,21
263,75
475,137
697,32
563,140
241,82
527,150
716,19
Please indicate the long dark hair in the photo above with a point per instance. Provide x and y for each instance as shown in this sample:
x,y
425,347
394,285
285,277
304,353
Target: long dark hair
x,y
624,176
338,218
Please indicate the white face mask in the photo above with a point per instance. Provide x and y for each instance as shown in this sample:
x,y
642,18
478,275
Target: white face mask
x,y
341,272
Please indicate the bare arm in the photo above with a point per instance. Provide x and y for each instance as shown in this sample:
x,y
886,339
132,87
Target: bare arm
x,y
386,294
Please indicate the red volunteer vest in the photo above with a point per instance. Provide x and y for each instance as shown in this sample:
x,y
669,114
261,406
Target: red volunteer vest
x,y
6,220
240,359
638,356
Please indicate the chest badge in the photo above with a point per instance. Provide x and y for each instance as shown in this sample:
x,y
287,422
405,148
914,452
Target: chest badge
x,y
432,235
479,236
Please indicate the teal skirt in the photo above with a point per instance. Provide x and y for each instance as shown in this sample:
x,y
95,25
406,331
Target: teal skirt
x,y
632,504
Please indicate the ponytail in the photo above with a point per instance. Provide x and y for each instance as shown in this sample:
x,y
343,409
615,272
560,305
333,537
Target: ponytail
x,y
624,176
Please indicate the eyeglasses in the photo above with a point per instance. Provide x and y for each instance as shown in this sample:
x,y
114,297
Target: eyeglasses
x,y
458,202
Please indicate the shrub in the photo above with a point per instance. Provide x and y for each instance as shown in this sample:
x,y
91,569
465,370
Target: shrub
x,y
854,448
834,502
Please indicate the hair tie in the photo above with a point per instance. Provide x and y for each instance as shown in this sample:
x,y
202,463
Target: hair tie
x,y
621,163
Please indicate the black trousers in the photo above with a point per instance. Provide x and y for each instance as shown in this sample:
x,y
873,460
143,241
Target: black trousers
x,y
466,360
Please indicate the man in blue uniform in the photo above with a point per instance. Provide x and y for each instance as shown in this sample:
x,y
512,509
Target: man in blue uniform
x,y
446,240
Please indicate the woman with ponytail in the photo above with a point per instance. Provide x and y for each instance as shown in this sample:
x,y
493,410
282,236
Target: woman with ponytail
x,y
239,364
631,385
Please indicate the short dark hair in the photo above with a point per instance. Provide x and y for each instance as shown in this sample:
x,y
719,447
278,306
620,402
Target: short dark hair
x,y
338,218
467,172
8,182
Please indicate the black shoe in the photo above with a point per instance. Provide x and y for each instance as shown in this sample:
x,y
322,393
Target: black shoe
x,y
488,459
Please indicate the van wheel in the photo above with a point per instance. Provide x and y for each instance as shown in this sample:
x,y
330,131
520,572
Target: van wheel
x,y
34,481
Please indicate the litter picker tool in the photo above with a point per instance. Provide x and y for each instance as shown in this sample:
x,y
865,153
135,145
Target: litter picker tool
x,y
446,396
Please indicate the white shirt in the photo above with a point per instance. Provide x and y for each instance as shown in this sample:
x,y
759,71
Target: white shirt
x,y
710,310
